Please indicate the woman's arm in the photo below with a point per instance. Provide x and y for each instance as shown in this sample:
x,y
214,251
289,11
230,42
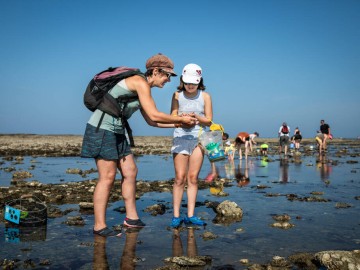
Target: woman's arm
x,y
139,85
154,124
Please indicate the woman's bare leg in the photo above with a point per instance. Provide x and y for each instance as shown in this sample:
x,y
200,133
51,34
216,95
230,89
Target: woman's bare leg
x,y
128,169
107,173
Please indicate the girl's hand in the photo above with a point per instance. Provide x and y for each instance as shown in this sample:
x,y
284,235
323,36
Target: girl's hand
x,y
188,121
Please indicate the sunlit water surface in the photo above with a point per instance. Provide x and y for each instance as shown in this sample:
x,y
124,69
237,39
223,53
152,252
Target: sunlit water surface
x,y
318,225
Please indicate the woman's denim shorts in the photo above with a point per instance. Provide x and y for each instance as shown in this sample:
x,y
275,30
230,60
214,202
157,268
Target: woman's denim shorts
x,y
104,144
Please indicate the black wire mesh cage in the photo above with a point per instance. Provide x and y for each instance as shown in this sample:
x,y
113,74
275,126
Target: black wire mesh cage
x,y
27,211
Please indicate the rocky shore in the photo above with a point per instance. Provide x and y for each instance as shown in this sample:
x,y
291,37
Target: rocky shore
x,y
13,147
70,145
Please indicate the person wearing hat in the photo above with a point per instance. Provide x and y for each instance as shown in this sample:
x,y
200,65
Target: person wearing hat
x,y
189,99
283,134
108,144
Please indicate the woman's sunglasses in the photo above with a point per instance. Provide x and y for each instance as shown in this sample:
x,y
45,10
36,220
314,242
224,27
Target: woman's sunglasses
x,y
168,75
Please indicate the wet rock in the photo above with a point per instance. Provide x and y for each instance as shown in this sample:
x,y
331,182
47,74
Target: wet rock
x,y
8,264
262,186
282,218
59,197
239,230
294,197
304,261
278,261
212,205
226,221
339,260
258,267
54,212
229,209
282,225
272,194
156,209
185,261
342,205
75,221
29,263
74,171
21,175
317,193
45,262
244,261
86,205
208,235
9,169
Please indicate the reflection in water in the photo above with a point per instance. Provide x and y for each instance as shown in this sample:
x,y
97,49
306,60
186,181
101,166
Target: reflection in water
x,y
230,169
177,246
128,258
284,170
213,175
128,261
242,176
100,259
322,164
16,234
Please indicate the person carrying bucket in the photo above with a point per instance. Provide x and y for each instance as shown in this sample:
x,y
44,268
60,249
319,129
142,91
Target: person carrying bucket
x,y
188,155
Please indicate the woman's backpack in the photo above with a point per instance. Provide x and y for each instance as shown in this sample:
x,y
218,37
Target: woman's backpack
x,y
97,95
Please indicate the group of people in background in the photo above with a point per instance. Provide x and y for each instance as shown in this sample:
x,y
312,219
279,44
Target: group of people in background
x,y
248,140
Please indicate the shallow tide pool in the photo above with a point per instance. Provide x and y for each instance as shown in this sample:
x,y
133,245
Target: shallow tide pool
x,y
317,225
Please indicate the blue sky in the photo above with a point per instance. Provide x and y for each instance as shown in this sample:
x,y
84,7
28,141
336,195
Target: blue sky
x,y
264,62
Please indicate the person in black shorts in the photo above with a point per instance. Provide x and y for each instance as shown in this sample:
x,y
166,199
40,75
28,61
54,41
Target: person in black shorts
x,y
296,138
325,129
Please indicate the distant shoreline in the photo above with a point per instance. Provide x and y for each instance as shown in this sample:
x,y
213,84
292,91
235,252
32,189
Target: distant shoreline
x,y
259,139
70,145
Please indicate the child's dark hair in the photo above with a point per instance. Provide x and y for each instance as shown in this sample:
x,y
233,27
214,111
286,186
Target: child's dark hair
x,y
181,86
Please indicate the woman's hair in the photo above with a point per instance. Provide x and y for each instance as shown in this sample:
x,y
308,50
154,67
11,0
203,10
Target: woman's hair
x,y
181,86
149,72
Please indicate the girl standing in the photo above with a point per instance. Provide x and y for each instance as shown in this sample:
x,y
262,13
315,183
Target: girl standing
x,y
188,156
